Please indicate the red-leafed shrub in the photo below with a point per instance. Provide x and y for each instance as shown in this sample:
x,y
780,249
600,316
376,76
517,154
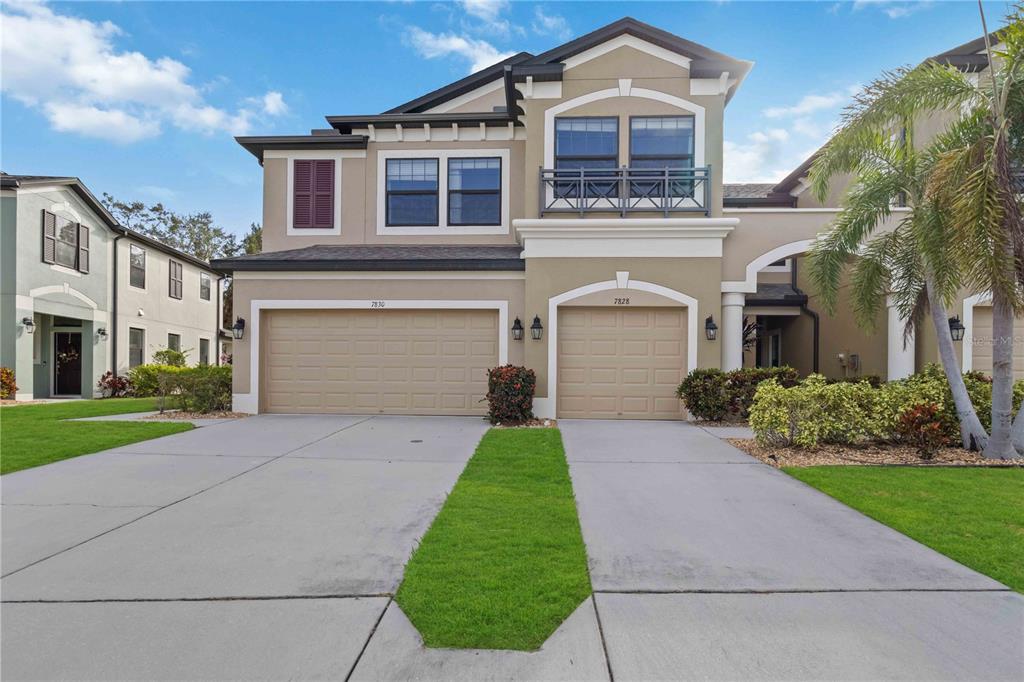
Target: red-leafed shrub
x,y
7,386
114,386
921,426
510,394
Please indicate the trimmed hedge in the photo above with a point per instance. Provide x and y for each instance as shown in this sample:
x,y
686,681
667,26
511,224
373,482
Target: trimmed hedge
x,y
714,395
203,388
510,390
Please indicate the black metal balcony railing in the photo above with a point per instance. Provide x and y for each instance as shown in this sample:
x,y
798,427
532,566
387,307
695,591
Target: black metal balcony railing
x,y
625,190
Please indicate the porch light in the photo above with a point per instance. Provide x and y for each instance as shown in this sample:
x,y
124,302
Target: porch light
x,y
517,330
102,333
29,325
239,329
710,328
956,328
536,329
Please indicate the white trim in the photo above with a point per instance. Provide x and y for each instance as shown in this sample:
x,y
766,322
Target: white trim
x,y
468,97
543,89
249,402
291,156
382,275
630,238
627,40
452,133
967,345
749,285
644,93
65,289
547,407
900,352
442,156
712,86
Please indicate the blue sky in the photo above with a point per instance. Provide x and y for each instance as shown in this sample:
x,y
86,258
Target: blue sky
x,y
142,99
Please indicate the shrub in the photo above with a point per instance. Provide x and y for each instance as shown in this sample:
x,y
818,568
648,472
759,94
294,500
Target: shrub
x,y
813,413
114,386
704,395
921,426
167,356
145,378
510,394
8,389
873,379
204,388
741,384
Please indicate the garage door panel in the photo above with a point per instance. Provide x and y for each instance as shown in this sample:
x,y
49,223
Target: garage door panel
x,y
378,361
624,364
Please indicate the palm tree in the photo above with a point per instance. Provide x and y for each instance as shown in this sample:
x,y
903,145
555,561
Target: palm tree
x,y
963,225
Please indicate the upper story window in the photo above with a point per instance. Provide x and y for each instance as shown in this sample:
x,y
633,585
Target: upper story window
x,y
474,191
411,192
661,142
586,143
65,242
204,286
313,199
174,279
137,266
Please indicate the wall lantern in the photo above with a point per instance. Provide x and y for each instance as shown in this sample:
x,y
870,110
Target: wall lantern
x,y
102,333
517,330
710,328
239,329
536,329
956,328
29,325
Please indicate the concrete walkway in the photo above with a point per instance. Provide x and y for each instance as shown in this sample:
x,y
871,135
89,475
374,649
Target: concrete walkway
x,y
707,564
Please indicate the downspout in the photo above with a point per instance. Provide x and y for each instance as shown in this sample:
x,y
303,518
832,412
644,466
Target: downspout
x,y
807,311
113,321
219,321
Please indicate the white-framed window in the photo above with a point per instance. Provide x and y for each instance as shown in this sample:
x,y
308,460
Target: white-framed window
x,y
443,195
204,286
204,351
136,347
137,266
174,342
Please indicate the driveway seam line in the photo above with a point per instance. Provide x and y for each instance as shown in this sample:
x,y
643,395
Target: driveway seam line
x,y
149,600
604,644
815,591
187,497
366,644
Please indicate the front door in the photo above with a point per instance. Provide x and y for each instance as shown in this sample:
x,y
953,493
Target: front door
x,y
67,363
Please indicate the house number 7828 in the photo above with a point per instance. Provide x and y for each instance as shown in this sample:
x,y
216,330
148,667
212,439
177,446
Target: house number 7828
x,y
621,301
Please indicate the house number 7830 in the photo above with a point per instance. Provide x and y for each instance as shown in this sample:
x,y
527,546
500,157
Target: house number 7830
x,y
376,304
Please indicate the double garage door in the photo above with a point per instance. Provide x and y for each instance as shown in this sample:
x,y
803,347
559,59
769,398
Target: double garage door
x,y
378,361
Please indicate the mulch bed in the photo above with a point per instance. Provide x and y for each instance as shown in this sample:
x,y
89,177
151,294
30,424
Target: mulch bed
x,y
530,424
179,415
863,455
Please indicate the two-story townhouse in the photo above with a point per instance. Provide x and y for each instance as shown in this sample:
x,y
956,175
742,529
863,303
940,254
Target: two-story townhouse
x,y
563,211
81,295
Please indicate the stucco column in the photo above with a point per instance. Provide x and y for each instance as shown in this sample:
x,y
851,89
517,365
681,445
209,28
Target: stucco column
x,y
732,331
900,361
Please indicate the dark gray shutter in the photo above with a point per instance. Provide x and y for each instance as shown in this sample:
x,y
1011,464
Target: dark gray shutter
x,y
83,248
323,194
302,199
49,237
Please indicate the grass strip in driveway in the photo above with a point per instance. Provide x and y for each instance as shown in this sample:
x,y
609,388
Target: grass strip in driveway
x,y
33,435
503,564
972,515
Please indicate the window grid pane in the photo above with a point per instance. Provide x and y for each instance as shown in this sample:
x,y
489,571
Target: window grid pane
x,y
66,252
137,260
204,286
411,193
474,191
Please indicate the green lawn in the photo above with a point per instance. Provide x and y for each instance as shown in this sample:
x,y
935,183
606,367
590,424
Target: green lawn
x,y
31,435
503,563
972,515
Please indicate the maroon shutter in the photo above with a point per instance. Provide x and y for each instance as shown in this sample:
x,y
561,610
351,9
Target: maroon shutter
x,y
83,248
323,194
303,195
49,237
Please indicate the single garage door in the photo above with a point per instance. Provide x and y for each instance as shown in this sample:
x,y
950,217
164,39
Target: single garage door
x,y
616,363
378,361
983,342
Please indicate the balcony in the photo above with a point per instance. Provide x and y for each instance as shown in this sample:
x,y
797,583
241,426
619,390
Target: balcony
x,y
625,190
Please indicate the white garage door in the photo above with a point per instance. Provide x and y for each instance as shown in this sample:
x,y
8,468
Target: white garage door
x,y
616,363
377,361
983,342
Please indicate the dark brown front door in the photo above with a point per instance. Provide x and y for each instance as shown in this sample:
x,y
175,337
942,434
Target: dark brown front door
x,y
67,363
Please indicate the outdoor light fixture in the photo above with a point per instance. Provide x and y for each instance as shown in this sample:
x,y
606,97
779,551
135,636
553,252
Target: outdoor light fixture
x,y
956,328
710,328
102,333
239,329
536,329
517,330
29,325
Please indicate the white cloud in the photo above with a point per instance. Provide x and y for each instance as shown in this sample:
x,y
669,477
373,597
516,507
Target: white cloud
x,y
808,104
759,159
480,53
550,24
894,9
485,10
70,69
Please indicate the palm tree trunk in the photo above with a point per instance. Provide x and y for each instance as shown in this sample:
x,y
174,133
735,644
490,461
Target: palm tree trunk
x,y
972,432
1000,445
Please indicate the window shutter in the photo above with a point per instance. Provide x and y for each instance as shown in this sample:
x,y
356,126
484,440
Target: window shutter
x,y
83,248
49,237
323,199
303,194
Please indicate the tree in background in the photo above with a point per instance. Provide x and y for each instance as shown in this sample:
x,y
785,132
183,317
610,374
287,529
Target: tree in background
x,y
252,241
194,234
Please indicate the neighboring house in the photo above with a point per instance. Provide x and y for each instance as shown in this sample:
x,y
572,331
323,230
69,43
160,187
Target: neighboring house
x,y
81,295
563,211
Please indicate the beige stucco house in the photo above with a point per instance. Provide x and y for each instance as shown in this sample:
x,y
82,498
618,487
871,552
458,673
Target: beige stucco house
x,y
81,295
563,211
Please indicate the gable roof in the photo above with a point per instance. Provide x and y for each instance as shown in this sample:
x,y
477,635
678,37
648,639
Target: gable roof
x,y
459,87
966,57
